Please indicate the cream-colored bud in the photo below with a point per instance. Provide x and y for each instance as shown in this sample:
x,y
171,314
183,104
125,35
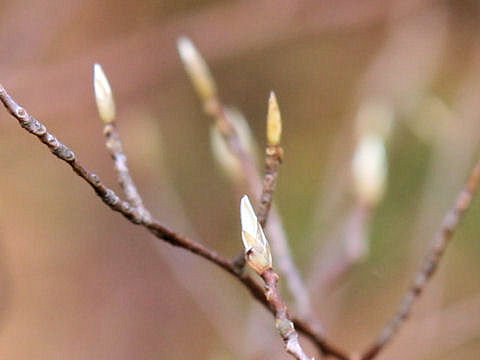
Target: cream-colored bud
x,y
103,95
369,169
274,121
197,69
257,250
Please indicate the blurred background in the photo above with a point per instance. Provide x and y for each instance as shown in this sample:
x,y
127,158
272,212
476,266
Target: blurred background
x,y
77,281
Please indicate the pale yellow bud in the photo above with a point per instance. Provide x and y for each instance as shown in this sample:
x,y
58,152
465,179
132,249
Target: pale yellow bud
x,y
197,69
369,169
274,121
103,95
257,250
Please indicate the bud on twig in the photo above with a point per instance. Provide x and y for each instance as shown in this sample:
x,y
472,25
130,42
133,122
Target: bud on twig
x,y
257,250
370,169
197,69
274,121
103,95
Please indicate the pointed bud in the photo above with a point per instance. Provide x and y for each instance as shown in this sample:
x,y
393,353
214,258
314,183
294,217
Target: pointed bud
x,y
103,95
370,169
274,121
197,69
257,250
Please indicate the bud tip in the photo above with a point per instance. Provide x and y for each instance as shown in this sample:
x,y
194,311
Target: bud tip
x,y
103,95
274,121
196,68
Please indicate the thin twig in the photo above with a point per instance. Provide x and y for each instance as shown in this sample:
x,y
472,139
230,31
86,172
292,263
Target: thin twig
x,y
273,159
218,112
442,331
304,326
107,113
283,324
115,148
259,257
204,84
108,196
279,242
430,263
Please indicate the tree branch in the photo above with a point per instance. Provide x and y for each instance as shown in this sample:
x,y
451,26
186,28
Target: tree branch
x,y
204,84
108,196
273,159
115,148
283,324
430,264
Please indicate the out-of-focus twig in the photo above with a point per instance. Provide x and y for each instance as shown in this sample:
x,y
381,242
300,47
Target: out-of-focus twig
x,y
369,173
206,88
442,331
108,196
354,248
430,263
258,256
106,109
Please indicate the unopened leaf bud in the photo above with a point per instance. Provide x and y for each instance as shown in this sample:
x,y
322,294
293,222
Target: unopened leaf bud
x,y
197,69
257,250
103,95
369,169
274,121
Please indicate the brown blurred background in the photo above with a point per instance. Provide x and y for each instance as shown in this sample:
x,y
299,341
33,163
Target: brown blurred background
x,y
77,281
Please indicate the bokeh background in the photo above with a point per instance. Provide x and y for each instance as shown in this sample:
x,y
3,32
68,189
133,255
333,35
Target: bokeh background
x,y
77,281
